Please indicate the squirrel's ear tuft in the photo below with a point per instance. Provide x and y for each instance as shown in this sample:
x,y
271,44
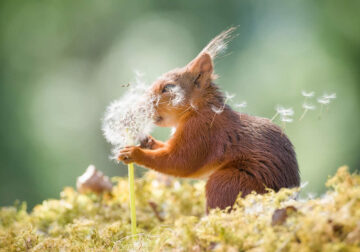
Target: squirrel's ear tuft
x,y
219,44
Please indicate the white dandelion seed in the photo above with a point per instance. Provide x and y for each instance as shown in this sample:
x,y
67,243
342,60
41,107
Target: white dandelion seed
x,y
285,115
284,111
228,96
287,112
307,94
329,96
323,100
129,119
241,105
304,184
278,108
177,95
306,107
217,110
286,119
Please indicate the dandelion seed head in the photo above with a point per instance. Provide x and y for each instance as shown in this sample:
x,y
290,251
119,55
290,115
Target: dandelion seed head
x,y
308,106
129,119
307,94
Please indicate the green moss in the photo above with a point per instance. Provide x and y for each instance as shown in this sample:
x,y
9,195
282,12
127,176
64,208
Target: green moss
x,y
172,216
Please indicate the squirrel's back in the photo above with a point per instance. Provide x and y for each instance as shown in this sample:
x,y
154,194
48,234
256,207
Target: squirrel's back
x,y
257,141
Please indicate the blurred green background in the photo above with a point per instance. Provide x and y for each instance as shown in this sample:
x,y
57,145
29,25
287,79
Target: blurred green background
x,y
63,62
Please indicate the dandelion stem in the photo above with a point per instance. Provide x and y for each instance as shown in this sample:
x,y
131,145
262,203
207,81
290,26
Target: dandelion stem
x,y
273,118
132,198
303,114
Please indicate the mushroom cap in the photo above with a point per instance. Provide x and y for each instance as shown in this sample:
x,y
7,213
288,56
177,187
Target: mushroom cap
x,y
93,181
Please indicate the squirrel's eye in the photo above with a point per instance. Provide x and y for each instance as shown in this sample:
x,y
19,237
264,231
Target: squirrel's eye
x,y
167,87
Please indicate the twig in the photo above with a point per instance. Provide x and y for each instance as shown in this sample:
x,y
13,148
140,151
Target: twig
x,y
153,206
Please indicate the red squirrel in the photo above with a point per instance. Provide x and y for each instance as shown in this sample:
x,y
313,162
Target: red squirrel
x,y
237,153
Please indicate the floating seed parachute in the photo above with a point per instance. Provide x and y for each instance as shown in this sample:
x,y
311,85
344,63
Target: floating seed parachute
x,y
171,217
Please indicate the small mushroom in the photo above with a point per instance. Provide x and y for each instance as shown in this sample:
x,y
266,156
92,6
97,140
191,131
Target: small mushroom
x,y
93,181
280,215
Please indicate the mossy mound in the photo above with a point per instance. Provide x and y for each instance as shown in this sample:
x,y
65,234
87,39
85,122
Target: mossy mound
x,y
171,217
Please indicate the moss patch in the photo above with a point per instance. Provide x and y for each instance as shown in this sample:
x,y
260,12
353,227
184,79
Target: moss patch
x,y
171,216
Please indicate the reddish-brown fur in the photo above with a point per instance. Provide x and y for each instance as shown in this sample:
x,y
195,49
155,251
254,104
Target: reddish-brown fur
x,y
235,152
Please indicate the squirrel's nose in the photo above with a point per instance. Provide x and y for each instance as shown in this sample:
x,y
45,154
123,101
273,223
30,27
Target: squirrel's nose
x,y
158,119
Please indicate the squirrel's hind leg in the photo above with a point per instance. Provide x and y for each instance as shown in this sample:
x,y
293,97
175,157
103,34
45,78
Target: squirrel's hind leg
x,y
224,185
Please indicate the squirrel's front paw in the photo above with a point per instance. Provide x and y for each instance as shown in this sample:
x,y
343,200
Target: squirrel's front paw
x,y
147,143
129,154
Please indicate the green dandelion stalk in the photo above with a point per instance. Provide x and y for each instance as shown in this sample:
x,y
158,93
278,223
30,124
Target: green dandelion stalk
x,y
131,175
132,198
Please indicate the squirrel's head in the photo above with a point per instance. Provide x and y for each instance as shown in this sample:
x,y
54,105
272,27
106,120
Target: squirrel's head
x,y
177,90
183,90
